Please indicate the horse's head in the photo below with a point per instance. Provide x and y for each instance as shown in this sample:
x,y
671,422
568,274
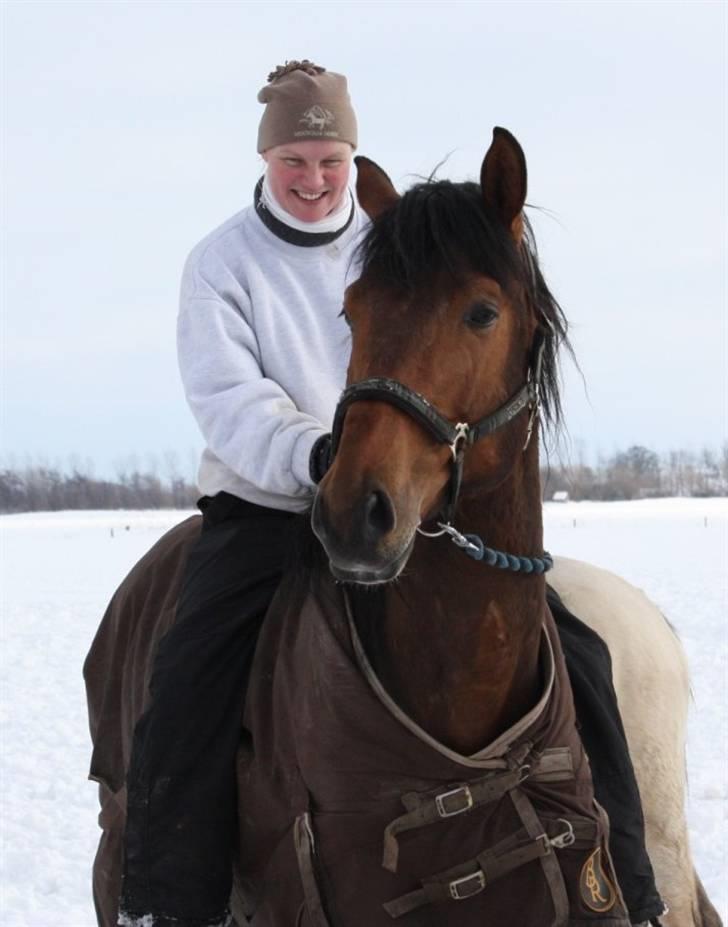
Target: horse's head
x,y
451,322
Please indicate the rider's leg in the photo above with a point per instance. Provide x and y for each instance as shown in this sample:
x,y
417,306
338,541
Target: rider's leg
x,y
181,784
590,672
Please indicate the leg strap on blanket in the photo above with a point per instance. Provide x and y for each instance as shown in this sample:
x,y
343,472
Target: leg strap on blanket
x,y
470,878
305,850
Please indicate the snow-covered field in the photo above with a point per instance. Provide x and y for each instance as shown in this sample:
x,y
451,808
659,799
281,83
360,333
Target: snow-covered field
x,y
58,571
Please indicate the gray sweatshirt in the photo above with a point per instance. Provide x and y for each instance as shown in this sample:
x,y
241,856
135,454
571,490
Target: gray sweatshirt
x,y
263,352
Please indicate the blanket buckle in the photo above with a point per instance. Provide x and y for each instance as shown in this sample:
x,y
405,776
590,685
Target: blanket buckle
x,y
467,886
448,805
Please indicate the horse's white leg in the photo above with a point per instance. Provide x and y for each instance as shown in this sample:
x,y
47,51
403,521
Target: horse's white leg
x,y
651,680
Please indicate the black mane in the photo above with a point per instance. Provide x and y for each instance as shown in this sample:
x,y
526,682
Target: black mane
x,y
440,226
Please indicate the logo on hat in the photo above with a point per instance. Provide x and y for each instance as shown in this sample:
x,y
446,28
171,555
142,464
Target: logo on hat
x,y
316,118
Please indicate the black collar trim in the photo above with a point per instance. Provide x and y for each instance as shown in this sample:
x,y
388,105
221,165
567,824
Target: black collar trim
x,y
294,236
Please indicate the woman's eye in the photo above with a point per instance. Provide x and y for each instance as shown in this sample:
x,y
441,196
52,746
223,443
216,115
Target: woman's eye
x,y
481,315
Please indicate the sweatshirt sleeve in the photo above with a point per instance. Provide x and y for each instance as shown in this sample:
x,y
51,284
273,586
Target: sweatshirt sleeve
x,y
248,420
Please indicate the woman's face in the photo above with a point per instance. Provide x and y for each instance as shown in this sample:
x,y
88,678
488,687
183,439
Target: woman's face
x,y
309,179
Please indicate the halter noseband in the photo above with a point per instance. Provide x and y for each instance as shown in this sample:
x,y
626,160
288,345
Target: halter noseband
x,y
458,436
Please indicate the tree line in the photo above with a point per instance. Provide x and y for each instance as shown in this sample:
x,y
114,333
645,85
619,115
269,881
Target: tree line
x,y
48,489
636,473
640,473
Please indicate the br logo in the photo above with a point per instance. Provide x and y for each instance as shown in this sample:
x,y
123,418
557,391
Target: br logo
x,y
597,892
317,118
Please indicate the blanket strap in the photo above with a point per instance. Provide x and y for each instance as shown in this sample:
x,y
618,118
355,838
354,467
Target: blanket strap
x,y
440,803
549,864
471,878
305,849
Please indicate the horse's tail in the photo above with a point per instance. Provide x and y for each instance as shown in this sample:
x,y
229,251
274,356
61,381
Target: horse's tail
x,y
704,914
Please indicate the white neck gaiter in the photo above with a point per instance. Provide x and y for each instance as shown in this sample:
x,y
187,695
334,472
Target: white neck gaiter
x,y
331,223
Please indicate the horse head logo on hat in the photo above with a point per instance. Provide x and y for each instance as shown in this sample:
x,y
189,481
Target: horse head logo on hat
x,y
317,118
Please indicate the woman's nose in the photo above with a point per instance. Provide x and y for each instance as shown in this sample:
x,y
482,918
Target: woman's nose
x,y
314,177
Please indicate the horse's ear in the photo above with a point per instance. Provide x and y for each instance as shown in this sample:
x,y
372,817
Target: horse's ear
x,y
503,180
374,189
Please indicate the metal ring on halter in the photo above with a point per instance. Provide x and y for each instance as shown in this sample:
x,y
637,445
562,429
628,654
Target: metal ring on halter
x,y
462,430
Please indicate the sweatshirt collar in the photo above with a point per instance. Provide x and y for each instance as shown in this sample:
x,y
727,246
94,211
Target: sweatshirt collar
x,y
291,235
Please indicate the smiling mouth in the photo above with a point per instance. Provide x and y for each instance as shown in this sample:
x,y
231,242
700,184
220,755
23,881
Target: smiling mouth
x,y
310,197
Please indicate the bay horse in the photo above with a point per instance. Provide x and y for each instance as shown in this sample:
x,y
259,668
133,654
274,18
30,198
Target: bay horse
x,y
401,683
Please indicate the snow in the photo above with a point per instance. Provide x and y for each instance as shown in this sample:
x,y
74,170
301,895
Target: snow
x,y
59,569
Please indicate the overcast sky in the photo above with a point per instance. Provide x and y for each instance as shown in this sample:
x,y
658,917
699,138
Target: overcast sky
x,y
129,133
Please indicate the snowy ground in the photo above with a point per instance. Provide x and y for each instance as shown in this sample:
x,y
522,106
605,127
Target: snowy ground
x,y
58,571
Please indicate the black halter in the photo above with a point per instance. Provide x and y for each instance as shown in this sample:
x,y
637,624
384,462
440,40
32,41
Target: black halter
x,y
458,436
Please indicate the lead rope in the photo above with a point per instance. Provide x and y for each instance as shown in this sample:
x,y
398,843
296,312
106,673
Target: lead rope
x,y
474,546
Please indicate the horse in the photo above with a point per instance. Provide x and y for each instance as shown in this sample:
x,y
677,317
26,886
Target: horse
x,y
401,635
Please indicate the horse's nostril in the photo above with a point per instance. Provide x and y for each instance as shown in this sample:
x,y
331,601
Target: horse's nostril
x,y
379,516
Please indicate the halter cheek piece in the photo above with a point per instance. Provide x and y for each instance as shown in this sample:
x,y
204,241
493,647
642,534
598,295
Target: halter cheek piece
x,y
457,436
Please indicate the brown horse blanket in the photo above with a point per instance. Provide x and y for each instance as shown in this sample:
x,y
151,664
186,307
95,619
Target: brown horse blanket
x,y
353,815
117,672
350,815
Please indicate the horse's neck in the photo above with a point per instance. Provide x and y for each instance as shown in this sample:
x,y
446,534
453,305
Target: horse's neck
x,y
458,643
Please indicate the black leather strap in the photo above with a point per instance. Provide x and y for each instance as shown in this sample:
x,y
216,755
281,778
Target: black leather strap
x,y
382,389
509,410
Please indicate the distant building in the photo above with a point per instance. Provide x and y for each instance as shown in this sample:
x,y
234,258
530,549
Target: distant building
x,y
560,496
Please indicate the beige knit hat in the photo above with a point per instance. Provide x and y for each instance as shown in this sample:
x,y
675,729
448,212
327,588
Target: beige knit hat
x,y
305,101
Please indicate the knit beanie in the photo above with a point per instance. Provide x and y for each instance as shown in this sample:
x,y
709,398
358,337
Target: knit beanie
x,y
305,101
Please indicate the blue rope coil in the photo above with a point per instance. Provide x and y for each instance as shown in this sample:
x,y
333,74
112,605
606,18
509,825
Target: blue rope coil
x,y
478,550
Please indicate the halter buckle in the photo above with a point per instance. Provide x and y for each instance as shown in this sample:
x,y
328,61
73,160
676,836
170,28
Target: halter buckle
x,y
462,430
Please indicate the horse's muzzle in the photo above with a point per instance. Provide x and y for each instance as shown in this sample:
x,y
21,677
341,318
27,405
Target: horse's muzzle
x,y
362,545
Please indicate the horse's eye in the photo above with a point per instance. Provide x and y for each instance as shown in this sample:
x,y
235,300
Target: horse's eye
x,y
344,316
481,315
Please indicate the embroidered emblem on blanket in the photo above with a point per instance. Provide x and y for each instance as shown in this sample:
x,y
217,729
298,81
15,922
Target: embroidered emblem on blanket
x,y
597,891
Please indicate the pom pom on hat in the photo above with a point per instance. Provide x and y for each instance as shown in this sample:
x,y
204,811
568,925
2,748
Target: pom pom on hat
x,y
308,67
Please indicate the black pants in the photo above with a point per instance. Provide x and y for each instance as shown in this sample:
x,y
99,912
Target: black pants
x,y
181,817
181,785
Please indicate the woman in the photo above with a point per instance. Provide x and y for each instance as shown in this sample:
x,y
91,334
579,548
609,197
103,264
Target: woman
x,y
263,352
